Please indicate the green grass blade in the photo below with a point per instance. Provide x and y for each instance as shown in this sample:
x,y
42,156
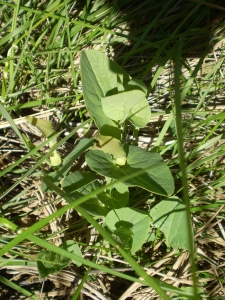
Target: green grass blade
x,y
16,287
5,114
181,155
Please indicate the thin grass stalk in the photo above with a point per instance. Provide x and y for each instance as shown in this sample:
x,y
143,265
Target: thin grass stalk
x,y
6,115
36,102
13,73
78,290
16,287
69,45
179,128
11,51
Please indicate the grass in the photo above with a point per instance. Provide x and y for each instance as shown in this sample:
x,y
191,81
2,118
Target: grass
x,y
176,49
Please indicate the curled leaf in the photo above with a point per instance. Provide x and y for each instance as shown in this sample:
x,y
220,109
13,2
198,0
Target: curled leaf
x,y
44,126
47,129
55,159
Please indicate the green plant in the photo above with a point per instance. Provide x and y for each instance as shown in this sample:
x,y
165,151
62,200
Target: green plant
x,y
40,54
116,101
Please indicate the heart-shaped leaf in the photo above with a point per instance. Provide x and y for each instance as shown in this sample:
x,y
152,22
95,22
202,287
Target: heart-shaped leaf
x,y
153,174
125,220
101,77
50,263
117,107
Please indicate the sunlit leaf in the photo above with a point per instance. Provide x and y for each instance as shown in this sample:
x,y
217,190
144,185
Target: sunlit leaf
x,y
124,221
44,126
170,216
112,146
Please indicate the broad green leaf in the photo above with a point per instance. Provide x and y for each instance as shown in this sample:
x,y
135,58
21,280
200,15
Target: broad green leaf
x,y
150,237
170,216
72,247
93,206
86,189
58,175
117,197
50,263
76,180
111,94
136,222
129,104
156,176
101,77
140,113
112,146
102,163
118,107
105,73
